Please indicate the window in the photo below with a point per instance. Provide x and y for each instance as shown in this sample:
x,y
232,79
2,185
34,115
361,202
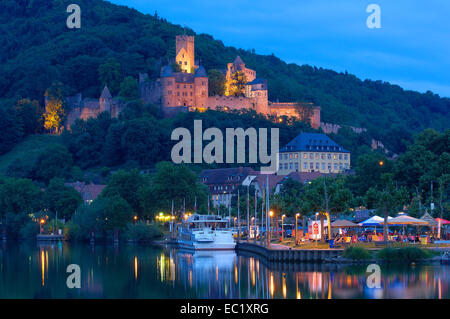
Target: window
x,y
346,166
340,166
311,155
334,156
285,156
169,92
329,166
335,166
290,165
317,155
185,62
290,155
311,165
305,155
296,166
281,166
296,155
323,166
285,165
329,156
169,82
322,156
305,165
345,156
340,156
317,165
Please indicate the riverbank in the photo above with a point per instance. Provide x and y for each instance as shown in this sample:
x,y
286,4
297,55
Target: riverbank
x,y
285,254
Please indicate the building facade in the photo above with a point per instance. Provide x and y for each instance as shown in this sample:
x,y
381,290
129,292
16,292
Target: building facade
x,y
188,90
312,152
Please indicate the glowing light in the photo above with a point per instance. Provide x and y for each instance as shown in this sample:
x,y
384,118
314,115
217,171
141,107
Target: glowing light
x,y
135,267
381,163
272,285
43,267
271,213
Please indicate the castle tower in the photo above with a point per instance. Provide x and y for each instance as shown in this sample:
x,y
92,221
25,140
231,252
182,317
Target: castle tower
x,y
257,90
185,53
105,100
167,88
201,88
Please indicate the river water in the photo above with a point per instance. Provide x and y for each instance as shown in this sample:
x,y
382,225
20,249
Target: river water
x,y
30,270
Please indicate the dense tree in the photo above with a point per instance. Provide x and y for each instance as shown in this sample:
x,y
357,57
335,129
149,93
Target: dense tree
x,y
60,199
56,161
216,82
55,112
237,84
11,131
127,185
129,88
110,74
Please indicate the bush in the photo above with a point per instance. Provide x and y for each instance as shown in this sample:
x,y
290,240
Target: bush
x,y
356,253
141,232
404,254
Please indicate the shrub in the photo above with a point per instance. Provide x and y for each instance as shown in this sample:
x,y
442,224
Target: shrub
x,y
141,232
356,253
404,254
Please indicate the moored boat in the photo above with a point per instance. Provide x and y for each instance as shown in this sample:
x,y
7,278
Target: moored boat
x,y
205,232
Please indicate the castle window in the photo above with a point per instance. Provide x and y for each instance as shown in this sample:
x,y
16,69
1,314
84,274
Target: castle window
x,y
169,92
191,93
185,62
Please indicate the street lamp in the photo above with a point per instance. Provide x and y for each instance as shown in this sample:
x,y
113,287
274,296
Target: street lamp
x,y
42,222
296,228
381,163
282,227
271,222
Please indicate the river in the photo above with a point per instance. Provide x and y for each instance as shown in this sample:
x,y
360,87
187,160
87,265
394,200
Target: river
x,y
31,270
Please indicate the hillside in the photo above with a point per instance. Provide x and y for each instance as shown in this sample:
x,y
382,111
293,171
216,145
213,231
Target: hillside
x,y
25,154
37,49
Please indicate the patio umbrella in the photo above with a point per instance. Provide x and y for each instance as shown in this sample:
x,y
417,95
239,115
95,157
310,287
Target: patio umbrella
x,y
343,223
443,221
406,220
374,221
430,220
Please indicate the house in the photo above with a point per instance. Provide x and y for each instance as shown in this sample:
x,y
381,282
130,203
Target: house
x,y
222,182
313,152
89,192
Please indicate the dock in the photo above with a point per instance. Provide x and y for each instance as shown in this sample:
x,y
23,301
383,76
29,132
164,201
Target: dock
x,y
50,237
281,253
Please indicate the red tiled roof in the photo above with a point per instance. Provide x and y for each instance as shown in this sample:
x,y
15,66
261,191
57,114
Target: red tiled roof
x,y
87,191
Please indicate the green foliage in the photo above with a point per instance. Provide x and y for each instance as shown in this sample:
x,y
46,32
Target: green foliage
x,y
129,88
289,200
216,82
11,131
56,161
117,213
237,84
403,254
141,232
110,74
61,199
356,253
127,185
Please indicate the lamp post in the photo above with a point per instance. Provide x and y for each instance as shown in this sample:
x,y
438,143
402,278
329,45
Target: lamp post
x,y
41,226
296,228
271,221
282,227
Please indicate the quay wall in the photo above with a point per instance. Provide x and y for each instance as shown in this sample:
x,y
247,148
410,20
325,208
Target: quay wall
x,y
290,255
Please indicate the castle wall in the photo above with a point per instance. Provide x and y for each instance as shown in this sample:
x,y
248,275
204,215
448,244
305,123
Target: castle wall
x,y
231,102
185,49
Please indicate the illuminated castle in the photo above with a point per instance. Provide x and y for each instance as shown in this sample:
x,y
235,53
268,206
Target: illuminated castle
x,y
188,90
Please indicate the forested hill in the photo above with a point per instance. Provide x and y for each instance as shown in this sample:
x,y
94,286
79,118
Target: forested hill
x,y
36,49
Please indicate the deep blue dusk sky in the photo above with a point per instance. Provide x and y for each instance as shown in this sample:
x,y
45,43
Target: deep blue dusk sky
x,y
412,49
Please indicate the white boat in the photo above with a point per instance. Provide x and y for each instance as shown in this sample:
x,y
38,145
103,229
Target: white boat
x,y
205,232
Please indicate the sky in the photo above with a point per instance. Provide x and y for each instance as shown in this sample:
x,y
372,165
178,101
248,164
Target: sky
x,y
411,49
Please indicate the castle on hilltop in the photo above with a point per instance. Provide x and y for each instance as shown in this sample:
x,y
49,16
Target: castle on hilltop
x,y
187,90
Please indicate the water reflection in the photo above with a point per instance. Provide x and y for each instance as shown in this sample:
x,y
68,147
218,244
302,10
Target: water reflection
x,y
39,271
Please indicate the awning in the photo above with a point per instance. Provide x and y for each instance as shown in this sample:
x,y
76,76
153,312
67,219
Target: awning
x,y
430,220
443,221
374,221
343,223
406,220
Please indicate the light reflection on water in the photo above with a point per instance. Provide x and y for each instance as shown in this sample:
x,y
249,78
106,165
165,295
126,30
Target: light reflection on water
x,y
39,271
